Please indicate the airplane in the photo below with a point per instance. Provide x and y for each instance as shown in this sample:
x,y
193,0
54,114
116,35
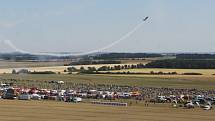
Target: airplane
x,y
145,18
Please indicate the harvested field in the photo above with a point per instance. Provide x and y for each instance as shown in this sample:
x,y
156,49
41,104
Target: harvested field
x,y
54,68
14,110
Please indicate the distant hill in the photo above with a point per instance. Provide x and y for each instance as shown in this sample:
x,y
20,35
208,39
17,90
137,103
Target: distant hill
x,y
28,57
126,55
103,56
195,56
182,64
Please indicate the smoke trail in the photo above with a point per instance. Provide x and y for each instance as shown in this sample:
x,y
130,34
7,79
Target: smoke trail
x,y
117,41
10,44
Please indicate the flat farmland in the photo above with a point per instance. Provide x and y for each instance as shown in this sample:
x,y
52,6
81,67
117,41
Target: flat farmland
x,y
14,110
55,66
51,67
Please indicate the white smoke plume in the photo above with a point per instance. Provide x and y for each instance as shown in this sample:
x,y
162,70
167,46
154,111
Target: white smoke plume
x,y
127,35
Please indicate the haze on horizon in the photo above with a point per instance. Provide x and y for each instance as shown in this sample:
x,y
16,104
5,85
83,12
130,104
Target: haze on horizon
x,y
83,25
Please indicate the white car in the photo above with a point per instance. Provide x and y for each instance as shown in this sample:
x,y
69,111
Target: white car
x,y
77,99
35,97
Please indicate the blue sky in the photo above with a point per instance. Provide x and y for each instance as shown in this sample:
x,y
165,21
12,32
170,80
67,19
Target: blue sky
x,y
84,25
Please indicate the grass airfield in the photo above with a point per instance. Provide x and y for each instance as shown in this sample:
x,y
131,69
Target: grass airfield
x,y
14,110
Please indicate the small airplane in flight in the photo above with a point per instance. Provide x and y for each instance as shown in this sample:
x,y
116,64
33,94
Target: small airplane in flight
x,y
145,18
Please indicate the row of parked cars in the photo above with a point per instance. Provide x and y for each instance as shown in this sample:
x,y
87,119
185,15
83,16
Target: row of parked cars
x,y
62,95
35,94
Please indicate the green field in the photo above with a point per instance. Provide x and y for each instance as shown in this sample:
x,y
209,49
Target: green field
x,y
131,80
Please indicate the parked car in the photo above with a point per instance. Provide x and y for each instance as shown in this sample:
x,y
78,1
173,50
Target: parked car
x,y
35,97
24,96
9,94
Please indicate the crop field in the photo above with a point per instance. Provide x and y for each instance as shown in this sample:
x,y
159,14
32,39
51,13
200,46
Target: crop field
x,y
14,110
52,67
57,66
132,80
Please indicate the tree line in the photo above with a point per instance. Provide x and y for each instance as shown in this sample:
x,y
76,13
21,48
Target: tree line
x,y
126,55
170,63
104,68
107,70
195,56
182,64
